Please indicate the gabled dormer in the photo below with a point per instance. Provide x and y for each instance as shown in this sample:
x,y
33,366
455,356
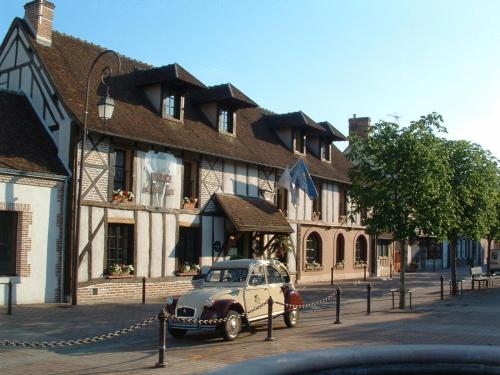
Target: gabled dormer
x,y
166,88
220,105
294,130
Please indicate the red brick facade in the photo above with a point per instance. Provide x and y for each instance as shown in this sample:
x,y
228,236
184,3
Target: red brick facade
x,y
131,289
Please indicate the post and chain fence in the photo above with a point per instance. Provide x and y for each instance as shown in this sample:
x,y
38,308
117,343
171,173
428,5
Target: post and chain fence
x,y
166,316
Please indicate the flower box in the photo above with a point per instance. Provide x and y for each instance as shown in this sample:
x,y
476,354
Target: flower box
x,y
189,206
118,276
187,273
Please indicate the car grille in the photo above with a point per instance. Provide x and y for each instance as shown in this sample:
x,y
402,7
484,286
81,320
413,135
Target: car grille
x,y
186,312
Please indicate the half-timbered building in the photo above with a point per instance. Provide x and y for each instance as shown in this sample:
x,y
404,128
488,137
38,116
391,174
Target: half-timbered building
x,y
183,175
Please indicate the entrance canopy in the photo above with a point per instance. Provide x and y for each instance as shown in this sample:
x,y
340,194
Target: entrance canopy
x,y
253,214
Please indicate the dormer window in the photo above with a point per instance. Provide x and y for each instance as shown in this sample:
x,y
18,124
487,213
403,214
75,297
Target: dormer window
x,y
325,151
172,103
226,121
300,142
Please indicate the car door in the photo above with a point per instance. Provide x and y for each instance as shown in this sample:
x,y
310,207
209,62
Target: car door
x,y
274,284
256,293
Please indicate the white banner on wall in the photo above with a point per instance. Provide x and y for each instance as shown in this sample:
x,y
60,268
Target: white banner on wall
x,y
158,170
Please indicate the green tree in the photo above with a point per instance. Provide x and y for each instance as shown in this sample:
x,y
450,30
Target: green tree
x,y
401,178
494,224
474,191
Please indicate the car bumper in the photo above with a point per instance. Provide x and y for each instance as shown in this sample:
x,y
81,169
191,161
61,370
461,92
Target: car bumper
x,y
191,326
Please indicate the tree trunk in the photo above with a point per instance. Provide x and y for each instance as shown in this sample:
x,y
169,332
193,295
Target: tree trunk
x,y
453,261
488,255
402,297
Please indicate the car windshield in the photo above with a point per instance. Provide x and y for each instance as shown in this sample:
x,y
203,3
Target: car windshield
x,y
233,275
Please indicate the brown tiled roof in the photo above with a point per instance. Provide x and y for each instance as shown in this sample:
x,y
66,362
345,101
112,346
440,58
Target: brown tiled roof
x,y
224,93
167,73
24,143
332,131
294,120
252,214
67,62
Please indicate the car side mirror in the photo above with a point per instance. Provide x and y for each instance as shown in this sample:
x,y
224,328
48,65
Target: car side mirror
x,y
286,279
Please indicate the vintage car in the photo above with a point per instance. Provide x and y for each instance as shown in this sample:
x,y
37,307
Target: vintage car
x,y
231,288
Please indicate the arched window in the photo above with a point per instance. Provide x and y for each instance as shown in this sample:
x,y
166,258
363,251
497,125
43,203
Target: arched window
x,y
313,250
361,250
340,255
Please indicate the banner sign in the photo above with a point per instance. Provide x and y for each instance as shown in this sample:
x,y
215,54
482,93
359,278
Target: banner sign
x,y
157,178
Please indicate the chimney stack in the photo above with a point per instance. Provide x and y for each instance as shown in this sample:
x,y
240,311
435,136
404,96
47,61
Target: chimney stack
x,y
39,14
359,126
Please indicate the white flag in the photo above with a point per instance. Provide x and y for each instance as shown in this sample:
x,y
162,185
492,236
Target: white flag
x,y
286,180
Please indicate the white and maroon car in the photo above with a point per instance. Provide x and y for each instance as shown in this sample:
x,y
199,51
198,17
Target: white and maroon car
x,y
231,288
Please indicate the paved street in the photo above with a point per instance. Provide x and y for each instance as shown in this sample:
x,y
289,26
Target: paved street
x,y
472,318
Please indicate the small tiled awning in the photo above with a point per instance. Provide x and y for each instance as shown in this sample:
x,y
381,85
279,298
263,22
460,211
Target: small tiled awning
x,y
252,214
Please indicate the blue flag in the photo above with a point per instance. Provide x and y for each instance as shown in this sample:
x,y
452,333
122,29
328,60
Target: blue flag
x,y
302,180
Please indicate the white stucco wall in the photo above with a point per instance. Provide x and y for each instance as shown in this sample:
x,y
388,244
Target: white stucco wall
x,y
41,284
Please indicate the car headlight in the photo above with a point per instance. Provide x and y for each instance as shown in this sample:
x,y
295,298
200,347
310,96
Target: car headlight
x,y
170,301
209,303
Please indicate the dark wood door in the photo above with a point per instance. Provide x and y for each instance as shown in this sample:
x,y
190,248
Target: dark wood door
x,y
8,236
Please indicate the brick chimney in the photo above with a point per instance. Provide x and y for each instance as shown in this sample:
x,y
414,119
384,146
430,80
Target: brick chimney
x,y
39,14
359,126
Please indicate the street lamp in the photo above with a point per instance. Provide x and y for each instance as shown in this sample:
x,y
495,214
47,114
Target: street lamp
x,y
105,107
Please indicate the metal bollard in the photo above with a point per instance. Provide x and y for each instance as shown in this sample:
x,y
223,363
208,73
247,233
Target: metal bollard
x,y
9,307
270,319
163,337
368,298
143,290
331,277
364,276
442,287
337,308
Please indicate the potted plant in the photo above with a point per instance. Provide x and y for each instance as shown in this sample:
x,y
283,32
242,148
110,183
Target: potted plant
x,y
316,216
120,196
313,266
120,270
189,203
188,269
339,265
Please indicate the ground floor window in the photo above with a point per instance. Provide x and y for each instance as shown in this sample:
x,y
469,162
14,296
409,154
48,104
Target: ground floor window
x,y
8,242
361,250
120,245
383,248
313,251
340,252
188,248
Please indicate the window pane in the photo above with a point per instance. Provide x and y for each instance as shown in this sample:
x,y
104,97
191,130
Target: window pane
x,y
119,179
273,276
120,244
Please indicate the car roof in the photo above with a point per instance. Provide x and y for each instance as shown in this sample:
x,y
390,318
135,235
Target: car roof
x,y
244,263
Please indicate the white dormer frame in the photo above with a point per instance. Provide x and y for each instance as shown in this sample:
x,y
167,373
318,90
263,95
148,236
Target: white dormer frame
x,y
166,92
231,116
328,152
294,141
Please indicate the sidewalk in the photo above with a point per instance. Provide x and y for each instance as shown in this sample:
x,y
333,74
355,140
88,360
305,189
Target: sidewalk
x,y
472,318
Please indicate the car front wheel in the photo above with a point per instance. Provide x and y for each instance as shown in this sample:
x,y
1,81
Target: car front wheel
x,y
291,318
232,326
177,333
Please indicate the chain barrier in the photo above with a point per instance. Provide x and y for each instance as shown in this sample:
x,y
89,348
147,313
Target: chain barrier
x,y
87,340
307,305
132,328
210,321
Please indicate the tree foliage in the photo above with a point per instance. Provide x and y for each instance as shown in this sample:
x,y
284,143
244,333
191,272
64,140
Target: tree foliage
x,y
400,175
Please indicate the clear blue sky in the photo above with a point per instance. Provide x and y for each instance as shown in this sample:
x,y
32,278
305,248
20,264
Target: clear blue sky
x,y
328,58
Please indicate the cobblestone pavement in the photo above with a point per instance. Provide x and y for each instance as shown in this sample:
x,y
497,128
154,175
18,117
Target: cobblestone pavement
x,y
472,318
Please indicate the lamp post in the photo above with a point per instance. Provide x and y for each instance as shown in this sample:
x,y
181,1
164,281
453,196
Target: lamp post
x,y
105,108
